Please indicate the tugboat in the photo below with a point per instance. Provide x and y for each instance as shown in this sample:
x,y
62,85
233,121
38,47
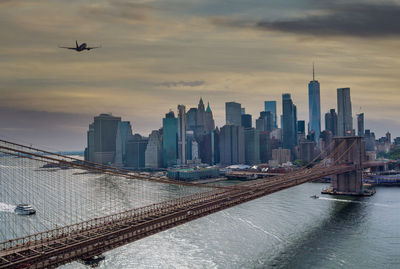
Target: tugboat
x,y
24,209
314,196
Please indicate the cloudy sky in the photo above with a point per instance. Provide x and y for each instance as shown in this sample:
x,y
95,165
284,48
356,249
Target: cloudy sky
x,y
158,54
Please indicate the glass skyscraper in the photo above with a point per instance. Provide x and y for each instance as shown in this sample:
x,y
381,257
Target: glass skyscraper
x,y
360,124
182,134
246,121
153,154
314,108
345,118
170,139
232,145
105,138
301,127
271,106
331,122
252,146
233,113
289,122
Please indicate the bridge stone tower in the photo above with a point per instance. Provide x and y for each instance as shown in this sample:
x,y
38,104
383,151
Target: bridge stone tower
x,y
349,151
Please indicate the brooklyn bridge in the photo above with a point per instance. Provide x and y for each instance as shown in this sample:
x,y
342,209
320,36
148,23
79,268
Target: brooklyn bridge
x,y
67,236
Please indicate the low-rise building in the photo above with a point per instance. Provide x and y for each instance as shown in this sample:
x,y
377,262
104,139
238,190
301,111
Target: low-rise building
x,y
191,174
281,155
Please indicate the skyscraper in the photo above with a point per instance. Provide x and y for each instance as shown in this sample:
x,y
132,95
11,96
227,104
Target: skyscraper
x,y
216,146
206,148
265,147
136,151
252,146
105,135
231,145
189,145
170,137
153,154
360,124
269,117
191,119
271,106
118,159
265,121
200,118
182,134
331,122
314,107
246,121
233,113
370,144
261,124
90,143
307,151
209,124
289,122
126,134
345,119
301,127
388,137
301,131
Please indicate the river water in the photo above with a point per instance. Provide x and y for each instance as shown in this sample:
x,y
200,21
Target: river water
x,y
287,229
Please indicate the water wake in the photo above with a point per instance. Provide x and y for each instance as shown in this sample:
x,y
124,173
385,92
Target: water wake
x,y
6,207
261,229
351,201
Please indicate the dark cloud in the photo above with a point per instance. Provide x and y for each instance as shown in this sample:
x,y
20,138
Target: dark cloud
x,y
181,83
335,19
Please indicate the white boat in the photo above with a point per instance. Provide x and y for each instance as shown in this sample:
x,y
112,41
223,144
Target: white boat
x,y
24,209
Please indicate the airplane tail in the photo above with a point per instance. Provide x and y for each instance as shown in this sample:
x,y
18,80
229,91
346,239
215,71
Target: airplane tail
x,y
76,41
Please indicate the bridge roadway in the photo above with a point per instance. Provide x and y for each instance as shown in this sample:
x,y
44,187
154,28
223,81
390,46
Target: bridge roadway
x,y
93,237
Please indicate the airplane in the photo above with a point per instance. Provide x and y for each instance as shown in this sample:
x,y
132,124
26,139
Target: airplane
x,y
80,47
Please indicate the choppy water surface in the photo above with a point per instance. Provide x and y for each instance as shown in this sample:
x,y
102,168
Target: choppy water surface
x,y
287,229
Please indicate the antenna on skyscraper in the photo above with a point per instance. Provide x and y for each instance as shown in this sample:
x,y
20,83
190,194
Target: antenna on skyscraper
x,y
313,72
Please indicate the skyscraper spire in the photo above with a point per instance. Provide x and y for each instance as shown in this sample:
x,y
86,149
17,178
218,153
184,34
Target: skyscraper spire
x,y
208,107
201,104
313,72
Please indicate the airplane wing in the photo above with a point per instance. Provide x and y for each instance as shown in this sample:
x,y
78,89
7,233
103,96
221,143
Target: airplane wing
x,y
74,48
89,48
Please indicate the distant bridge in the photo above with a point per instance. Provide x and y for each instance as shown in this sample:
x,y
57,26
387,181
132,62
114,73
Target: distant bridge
x,y
89,238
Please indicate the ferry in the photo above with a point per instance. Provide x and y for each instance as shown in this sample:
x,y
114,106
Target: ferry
x,y
24,209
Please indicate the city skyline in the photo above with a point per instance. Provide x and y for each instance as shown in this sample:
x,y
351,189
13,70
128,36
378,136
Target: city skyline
x,y
158,54
222,122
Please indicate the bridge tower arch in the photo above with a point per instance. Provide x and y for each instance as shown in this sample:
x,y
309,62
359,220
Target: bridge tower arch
x,y
348,151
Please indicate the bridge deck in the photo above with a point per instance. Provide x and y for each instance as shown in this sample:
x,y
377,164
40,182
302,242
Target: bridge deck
x,y
87,239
